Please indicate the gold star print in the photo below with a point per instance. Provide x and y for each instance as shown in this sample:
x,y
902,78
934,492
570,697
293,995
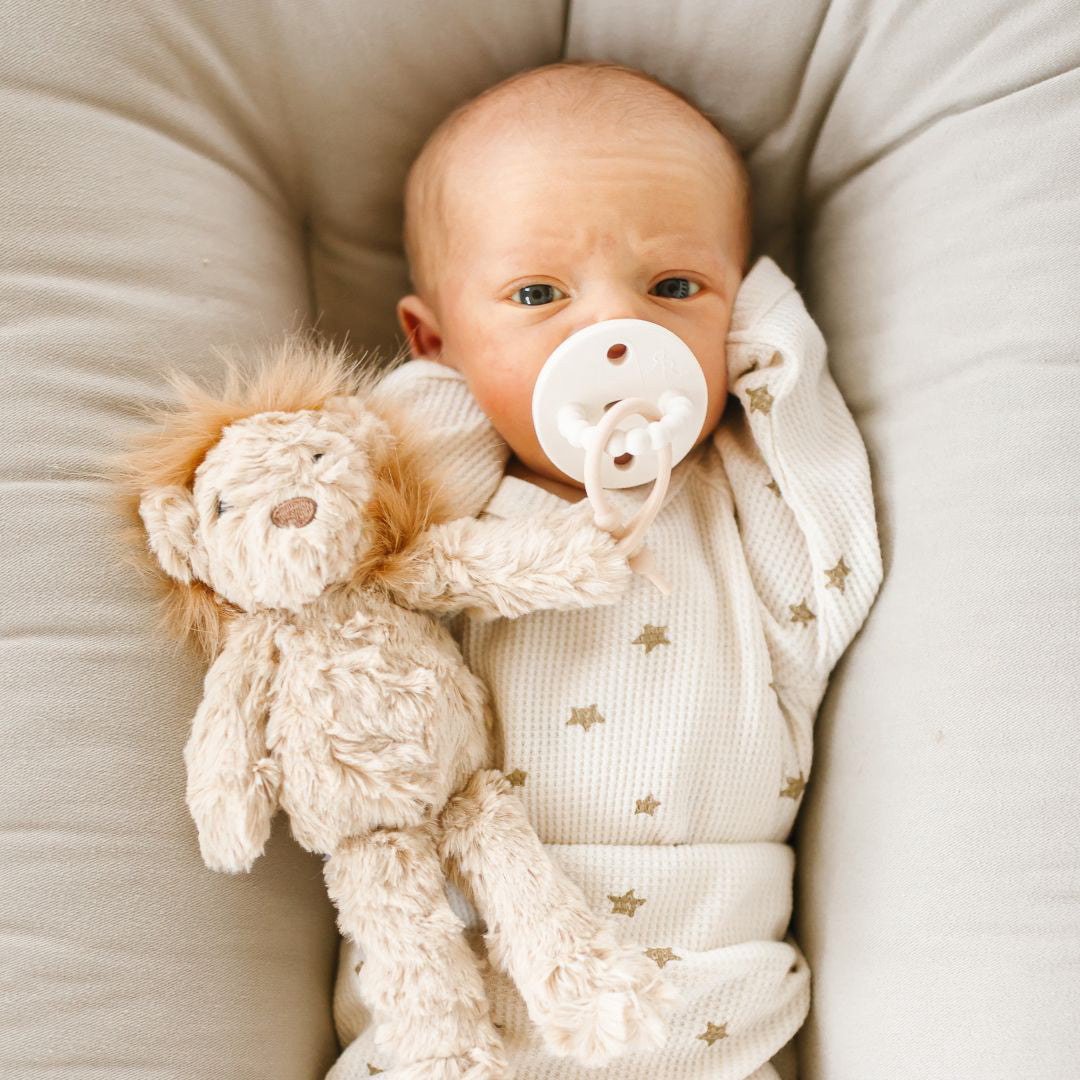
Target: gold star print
x,y
646,805
837,574
371,1070
795,786
651,636
358,967
585,717
714,1032
760,399
776,360
774,488
627,904
516,778
661,956
801,613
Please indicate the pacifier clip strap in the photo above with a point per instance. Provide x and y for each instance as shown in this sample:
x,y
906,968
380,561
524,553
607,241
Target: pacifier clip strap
x,y
628,534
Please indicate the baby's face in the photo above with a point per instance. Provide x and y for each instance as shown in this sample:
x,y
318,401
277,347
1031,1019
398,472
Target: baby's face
x,y
545,240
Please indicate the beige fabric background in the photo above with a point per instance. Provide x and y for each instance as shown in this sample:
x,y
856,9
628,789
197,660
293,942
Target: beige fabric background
x,y
176,174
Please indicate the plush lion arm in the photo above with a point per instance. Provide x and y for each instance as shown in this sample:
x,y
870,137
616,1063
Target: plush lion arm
x,y
231,783
507,567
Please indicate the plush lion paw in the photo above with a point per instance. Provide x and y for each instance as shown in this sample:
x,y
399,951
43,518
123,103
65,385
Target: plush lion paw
x,y
486,1062
233,826
597,570
601,1002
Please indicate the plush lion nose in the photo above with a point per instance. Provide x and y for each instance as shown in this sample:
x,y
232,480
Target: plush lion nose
x,y
297,512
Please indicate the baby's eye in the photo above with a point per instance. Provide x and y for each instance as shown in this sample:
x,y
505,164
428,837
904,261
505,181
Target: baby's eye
x,y
538,294
315,457
221,506
676,288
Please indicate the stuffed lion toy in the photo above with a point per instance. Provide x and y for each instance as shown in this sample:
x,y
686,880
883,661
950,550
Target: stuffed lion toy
x,y
309,547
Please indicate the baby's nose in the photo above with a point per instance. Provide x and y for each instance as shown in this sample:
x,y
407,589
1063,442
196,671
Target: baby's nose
x,y
293,512
614,306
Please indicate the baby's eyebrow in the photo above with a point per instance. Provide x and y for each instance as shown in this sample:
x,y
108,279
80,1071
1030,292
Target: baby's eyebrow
x,y
540,256
532,253
681,251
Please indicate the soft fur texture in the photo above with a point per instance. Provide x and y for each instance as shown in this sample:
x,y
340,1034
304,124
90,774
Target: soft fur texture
x,y
306,540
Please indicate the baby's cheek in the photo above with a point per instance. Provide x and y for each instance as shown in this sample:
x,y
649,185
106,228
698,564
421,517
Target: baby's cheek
x,y
507,401
715,368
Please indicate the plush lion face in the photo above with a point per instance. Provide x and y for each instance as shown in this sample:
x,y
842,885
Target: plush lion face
x,y
278,511
302,470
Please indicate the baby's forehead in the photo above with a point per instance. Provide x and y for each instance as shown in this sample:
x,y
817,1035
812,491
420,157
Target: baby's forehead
x,y
665,183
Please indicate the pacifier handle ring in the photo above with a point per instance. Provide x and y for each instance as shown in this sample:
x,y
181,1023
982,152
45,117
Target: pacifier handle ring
x,y
628,534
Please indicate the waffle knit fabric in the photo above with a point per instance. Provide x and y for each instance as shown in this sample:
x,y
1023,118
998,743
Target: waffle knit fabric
x,y
662,745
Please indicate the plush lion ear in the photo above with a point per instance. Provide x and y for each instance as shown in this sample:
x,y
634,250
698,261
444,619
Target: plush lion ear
x,y
349,404
368,421
170,519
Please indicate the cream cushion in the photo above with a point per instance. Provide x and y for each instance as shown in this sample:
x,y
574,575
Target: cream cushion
x,y
178,174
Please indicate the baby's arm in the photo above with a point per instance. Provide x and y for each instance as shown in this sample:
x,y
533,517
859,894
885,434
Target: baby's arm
x,y
800,480
444,416
508,567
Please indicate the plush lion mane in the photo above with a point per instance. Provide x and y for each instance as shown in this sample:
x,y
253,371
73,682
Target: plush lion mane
x,y
299,372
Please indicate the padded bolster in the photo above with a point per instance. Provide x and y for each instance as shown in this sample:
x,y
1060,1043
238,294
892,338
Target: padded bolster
x,y
915,170
176,175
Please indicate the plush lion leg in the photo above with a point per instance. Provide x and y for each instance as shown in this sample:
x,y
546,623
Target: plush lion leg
x,y
420,976
591,997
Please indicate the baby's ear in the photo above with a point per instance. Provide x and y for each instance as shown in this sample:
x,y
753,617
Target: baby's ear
x,y
421,329
170,518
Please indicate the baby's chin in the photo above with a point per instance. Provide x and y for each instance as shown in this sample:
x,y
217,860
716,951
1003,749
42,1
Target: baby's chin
x,y
542,473
525,462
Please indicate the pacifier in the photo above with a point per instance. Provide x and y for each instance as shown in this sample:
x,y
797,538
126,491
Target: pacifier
x,y
618,404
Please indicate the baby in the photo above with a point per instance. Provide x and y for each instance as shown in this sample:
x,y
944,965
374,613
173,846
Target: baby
x,y
660,745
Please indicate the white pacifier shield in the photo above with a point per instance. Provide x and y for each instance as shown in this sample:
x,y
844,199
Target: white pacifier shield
x,y
580,372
